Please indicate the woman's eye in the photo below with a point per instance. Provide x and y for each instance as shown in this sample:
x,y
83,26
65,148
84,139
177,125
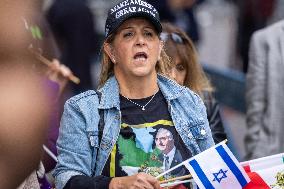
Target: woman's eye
x,y
180,67
128,34
148,34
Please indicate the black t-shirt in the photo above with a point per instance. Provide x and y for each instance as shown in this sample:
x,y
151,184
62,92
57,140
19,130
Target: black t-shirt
x,y
145,137
148,141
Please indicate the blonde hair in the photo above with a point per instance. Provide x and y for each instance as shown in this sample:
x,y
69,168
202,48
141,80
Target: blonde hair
x,y
195,78
107,66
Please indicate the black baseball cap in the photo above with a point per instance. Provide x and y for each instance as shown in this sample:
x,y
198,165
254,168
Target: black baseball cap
x,y
129,9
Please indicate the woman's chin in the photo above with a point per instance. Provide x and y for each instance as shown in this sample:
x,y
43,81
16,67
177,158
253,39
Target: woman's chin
x,y
142,73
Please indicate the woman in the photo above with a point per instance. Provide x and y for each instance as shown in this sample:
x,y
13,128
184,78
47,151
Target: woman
x,y
188,72
110,140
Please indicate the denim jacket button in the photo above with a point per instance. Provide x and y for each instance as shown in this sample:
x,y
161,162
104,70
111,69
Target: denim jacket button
x,y
203,132
190,136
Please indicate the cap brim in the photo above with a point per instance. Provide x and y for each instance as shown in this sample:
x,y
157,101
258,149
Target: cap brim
x,y
156,23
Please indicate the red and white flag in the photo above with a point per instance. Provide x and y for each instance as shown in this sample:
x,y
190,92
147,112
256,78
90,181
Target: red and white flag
x,y
262,173
266,172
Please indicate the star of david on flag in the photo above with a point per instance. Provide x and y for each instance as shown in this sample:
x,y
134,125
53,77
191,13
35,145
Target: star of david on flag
x,y
217,168
220,175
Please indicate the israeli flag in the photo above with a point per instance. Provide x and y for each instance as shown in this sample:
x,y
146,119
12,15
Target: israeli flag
x,y
217,167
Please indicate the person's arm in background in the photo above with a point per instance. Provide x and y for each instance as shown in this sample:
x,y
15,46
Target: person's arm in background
x,y
255,94
57,78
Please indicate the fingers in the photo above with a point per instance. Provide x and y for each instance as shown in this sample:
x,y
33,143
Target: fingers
x,y
138,181
142,181
60,68
154,182
65,71
59,74
148,181
52,71
55,63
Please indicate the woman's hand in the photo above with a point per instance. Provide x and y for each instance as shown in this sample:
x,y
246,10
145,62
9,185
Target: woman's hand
x,y
138,181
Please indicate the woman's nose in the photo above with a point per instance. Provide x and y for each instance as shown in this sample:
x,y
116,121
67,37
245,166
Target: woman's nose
x,y
140,40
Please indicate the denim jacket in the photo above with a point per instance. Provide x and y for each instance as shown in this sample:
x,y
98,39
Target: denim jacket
x,y
80,152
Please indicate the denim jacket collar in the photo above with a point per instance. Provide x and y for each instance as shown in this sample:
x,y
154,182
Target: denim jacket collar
x,y
170,89
110,91
109,94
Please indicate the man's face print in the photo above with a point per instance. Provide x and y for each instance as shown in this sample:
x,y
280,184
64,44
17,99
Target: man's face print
x,y
164,141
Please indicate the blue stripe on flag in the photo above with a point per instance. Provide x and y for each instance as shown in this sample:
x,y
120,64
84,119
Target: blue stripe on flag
x,y
206,183
230,163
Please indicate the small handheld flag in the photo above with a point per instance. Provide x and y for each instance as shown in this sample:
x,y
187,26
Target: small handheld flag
x,y
215,168
266,172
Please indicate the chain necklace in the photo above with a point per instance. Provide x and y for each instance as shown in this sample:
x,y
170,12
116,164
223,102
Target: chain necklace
x,y
142,107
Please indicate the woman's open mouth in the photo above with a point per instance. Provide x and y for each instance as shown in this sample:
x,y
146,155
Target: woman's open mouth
x,y
140,56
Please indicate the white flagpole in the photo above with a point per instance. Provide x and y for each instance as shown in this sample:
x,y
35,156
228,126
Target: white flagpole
x,y
176,183
262,159
171,169
182,163
50,153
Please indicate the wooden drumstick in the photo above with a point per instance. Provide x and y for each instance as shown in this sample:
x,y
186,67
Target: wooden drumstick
x,y
47,62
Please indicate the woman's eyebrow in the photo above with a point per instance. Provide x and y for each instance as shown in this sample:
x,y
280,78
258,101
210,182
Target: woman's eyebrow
x,y
148,27
127,27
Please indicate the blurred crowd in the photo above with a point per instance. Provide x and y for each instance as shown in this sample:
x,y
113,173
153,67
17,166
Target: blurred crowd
x,y
50,50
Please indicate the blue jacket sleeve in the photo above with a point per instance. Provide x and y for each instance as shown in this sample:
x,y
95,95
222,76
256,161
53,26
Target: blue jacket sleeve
x,y
75,154
85,182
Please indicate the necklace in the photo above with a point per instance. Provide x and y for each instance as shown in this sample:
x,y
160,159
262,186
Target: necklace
x,y
142,107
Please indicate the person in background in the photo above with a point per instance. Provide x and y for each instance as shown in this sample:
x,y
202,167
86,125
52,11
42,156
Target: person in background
x,y
25,110
54,80
187,71
252,15
55,75
72,24
24,100
106,137
182,14
265,93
